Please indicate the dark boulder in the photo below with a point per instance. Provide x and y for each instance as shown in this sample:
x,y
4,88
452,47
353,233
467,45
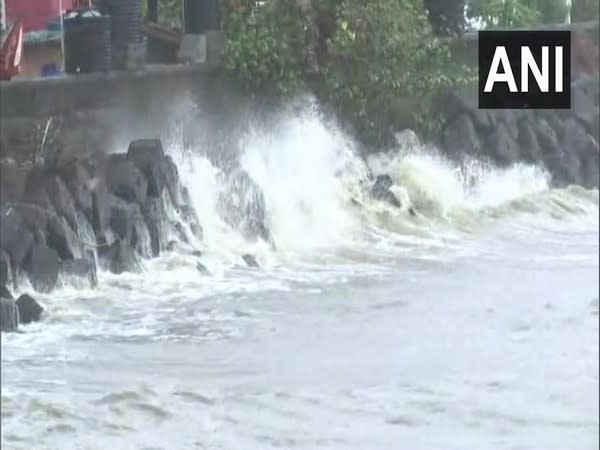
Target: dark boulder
x,y
78,180
29,309
9,315
42,266
127,221
460,137
590,169
123,258
35,219
60,198
148,155
381,191
189,216
201,268
242,205
179,230
250,261
80,270
13,178
36,192
5,293
174,182
155,216
61,237
5,268
528,141
15,238
126,180
501,147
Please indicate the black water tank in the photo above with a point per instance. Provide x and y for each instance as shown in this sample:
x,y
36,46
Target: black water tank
x,y
87,42
126,20
200,16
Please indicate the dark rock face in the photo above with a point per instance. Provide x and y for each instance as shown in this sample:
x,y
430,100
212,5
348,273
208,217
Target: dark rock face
x,y
61,216
5,269
243,206
9,315
29,309
123,258
564,141
42,268
125,180
15,238
158,225
82,269
5,293
381,191
12,182
148,155
250,261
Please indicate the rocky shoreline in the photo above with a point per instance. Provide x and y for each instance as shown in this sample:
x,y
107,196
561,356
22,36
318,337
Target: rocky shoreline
x,y
563,141
66,218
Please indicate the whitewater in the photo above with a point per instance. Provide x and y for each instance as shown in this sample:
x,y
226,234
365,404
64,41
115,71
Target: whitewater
x,y
467,319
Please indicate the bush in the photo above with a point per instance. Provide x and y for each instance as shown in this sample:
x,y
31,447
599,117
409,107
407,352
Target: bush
x,y
384,51
259,51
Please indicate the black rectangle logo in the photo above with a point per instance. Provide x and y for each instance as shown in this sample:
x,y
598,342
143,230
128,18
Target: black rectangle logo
x,y
525,69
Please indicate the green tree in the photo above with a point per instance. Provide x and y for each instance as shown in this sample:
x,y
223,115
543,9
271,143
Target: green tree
x,y
447,17
504,13
383,52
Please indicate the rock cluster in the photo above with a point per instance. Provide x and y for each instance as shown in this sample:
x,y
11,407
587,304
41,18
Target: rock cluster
x,y
65,219
564,141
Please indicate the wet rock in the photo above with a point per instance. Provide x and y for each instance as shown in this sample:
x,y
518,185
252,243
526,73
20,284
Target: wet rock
x,y
9,315
189,216
250,261
243,206
5,269
127,221
61,237
381,191
180,232
12,182
502,147
173,183
80,269
100,214
5,293
60,198
460,137
171,246
35,219
123,258
126,180
79,182
201,268
155,216
15,238
528,141
29,309
42,268
36,192
148,155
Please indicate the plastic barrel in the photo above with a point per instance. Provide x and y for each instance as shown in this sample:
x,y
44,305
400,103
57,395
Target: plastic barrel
x,y
200,16
87,42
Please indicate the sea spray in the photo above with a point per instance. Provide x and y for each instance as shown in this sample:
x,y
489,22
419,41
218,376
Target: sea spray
x,y
315,184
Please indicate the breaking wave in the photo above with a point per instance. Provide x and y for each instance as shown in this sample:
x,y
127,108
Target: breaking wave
x,y
316,193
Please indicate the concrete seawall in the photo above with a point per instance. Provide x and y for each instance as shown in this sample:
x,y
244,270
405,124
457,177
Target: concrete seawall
x,y
63,95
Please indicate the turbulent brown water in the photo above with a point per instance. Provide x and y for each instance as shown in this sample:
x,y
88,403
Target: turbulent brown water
x,y
473,325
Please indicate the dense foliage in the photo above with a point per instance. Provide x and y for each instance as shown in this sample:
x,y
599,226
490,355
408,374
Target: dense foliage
x,y
363,58
517,13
